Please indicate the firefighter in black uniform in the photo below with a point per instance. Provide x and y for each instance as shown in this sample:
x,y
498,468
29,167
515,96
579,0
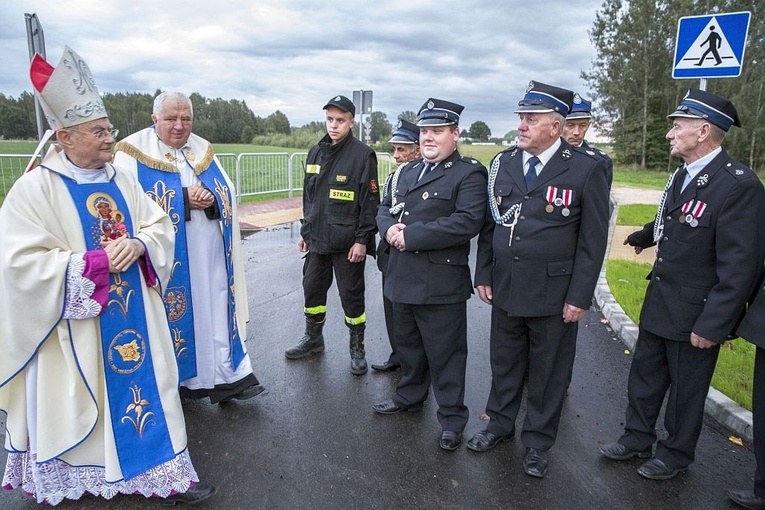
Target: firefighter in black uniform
x,y
440,205
539,258
340,199
577,123
710,241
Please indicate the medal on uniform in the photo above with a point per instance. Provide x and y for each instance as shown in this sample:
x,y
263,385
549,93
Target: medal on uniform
x,y
567,195
685,217
425,196
692,211
698,210
551,195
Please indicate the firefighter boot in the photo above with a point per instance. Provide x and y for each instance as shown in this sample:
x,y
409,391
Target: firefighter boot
x,y
312,341
358,362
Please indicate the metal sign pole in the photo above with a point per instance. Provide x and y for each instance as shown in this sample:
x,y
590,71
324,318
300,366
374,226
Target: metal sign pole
x,y
36,43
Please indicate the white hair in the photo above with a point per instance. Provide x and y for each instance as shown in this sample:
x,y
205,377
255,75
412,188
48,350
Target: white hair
x,y
161,99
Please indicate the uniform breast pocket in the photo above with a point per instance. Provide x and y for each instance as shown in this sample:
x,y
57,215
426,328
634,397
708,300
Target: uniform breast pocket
x,y
696,231
437,193
430,203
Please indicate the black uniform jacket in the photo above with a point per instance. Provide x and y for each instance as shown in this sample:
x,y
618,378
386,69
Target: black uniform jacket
x,y
752,328
554,258
703,275
340,196
383,248
442,213
609,163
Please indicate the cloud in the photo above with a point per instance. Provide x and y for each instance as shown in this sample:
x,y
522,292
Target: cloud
x,y
292,55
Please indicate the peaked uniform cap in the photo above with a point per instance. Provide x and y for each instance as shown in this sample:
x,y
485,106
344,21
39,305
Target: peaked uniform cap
x,y
700,104
405,132
437,112
581,109
67,93
543,98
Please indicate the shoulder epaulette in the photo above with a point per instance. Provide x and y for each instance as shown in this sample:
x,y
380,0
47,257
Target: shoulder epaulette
x,y
738,170
589,151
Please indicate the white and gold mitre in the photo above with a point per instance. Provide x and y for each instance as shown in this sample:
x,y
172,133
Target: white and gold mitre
x,y
68,93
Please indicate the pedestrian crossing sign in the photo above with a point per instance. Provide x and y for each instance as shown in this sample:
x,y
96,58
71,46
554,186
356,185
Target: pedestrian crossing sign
x,y
711,46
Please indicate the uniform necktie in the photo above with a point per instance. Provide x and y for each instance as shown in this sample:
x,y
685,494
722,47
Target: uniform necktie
x,y
531,173
426,171
678,184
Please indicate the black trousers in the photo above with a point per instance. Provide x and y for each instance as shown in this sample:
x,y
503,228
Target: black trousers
x,y
431,341
758,421
317,279
388,310
660,365
547,346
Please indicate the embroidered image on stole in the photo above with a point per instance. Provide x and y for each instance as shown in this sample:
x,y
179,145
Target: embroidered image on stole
x,y
165,189
138,421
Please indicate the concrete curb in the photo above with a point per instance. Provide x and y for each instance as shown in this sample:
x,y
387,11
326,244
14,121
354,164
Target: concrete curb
x,y
720,408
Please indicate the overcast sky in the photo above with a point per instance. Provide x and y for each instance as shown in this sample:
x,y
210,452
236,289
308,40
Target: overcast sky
x,y
294,55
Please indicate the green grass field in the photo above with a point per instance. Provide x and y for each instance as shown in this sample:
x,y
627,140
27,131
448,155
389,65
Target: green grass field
x,y
636,214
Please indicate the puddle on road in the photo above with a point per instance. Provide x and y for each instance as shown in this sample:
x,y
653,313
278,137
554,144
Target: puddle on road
x,y
276,235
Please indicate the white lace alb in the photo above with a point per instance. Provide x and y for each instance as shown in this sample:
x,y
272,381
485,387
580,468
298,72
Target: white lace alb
x,y
78,303
53,481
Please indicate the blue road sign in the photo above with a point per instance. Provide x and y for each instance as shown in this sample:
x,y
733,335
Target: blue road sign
x,y
711,46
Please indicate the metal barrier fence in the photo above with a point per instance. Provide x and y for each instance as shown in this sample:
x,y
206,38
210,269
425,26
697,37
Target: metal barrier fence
x,y
11,168
254,173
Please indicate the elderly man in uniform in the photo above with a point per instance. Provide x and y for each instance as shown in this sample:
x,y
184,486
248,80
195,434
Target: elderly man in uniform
x,y
406,147
752,328
577,123
539,257
206,299
438,206
710,241
340,199
87,373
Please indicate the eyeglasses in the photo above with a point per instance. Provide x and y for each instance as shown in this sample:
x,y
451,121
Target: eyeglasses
x,y
101,133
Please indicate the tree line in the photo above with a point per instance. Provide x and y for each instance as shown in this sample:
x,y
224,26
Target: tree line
x,y
632,79
217,120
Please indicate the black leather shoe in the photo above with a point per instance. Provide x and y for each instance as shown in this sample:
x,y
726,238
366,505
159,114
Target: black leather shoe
x,y
617,451
385,367
450,440
535,462
747,499
390,407
195,495
247,393
485,441
655,469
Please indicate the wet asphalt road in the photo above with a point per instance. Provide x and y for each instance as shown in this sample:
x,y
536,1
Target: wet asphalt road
x,y
311,441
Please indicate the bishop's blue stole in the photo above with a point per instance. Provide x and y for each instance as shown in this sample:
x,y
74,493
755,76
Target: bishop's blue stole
x,y
138,420
165,189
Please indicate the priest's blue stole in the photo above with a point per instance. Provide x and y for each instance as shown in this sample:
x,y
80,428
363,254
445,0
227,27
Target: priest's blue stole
x,y
165,189
213,180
